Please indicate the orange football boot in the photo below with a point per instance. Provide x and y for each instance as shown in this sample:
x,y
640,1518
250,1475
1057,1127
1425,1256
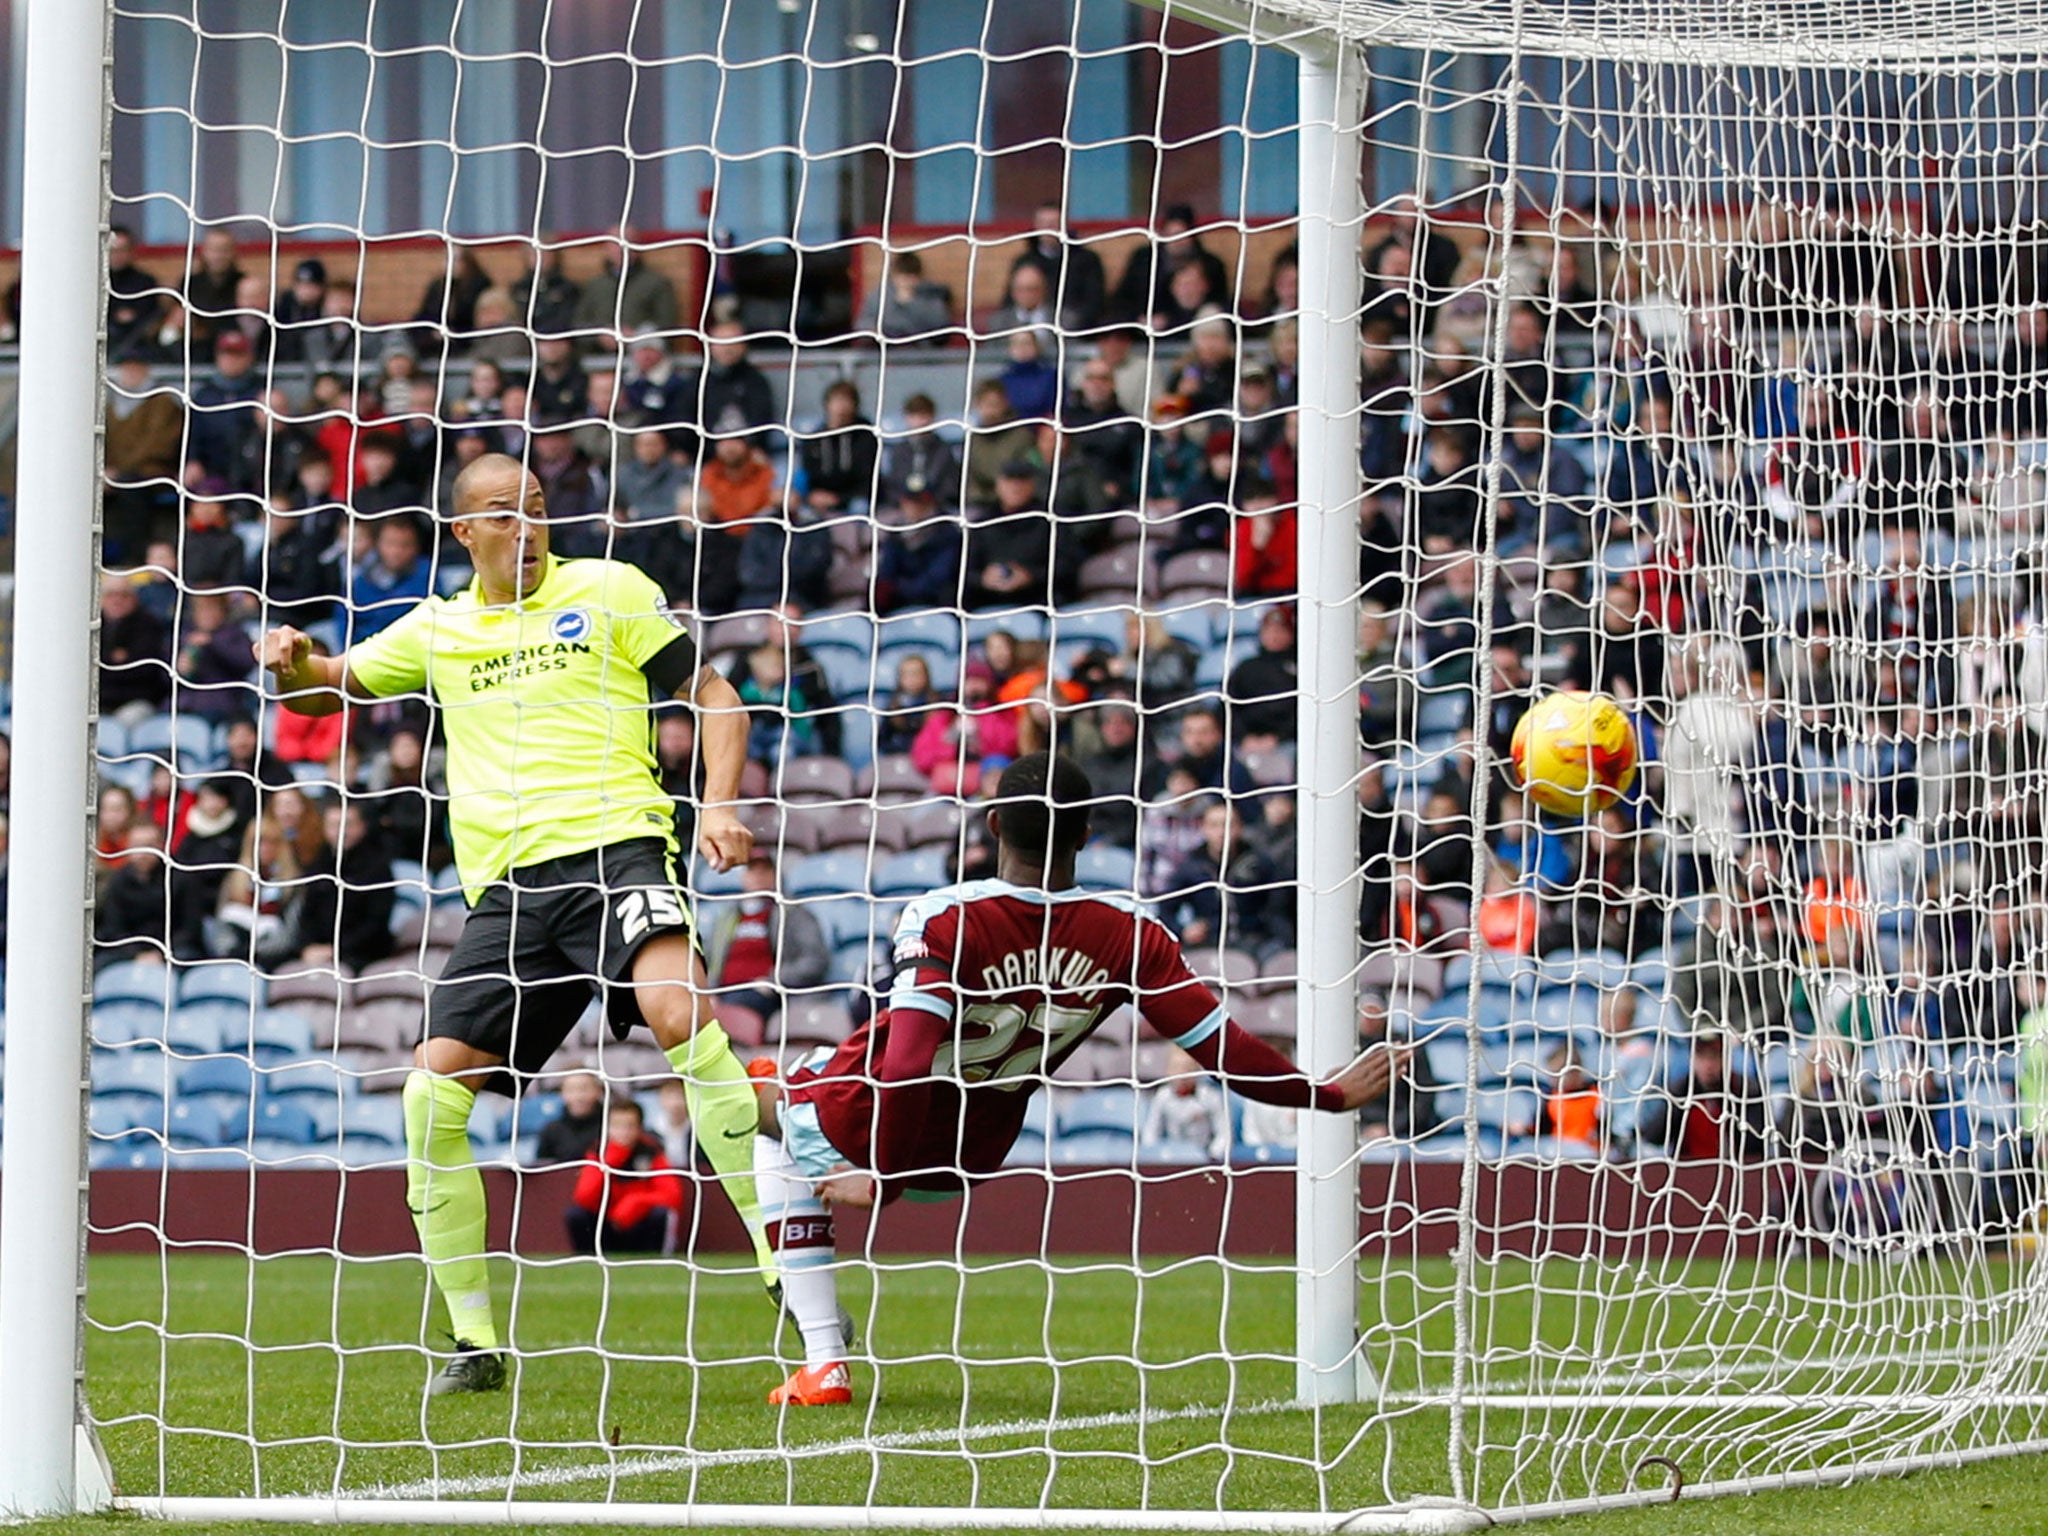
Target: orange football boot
x,y
815,1386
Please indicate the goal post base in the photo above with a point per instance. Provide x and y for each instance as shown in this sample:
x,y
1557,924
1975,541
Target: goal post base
x,y
94,1480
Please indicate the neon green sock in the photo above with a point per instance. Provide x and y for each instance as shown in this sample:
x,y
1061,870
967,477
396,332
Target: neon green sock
x,y
445,1193
722,1108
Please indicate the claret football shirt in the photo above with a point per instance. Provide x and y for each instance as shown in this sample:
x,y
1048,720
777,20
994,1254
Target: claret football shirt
x,y
545,712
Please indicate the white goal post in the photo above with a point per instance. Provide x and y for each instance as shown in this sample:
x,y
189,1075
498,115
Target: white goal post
x,y
1717,1167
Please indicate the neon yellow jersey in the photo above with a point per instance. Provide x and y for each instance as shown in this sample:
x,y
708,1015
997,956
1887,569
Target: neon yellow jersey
x,y
545,712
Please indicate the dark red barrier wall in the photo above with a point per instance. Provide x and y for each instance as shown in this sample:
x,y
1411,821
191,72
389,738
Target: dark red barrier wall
x,y
1653,1209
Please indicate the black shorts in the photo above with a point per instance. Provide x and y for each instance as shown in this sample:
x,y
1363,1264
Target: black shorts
x,y
547,938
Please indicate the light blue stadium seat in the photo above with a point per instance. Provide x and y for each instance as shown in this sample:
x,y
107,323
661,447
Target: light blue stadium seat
x,y
852,633
1101,1109
939,628
227,1076
138,980
183,741
201,1123
124,1019
1197,624
199,1030
280,1035
134,1069
378,1117
142,1154
1106,867
1038,1116
530,1115
286,1121
1111,1149
854,964
227,981
1564,1010
1079,629
1442,711
706,881
913,874
840,873
1027,1151
110,738
851,675
307,1079
113,1114
857,737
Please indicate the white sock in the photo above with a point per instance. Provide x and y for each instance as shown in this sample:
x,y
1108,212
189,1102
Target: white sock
x,y
800,1233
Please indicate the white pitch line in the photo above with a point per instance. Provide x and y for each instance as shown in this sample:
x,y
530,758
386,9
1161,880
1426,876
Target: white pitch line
x,y
1489,1394
740,1456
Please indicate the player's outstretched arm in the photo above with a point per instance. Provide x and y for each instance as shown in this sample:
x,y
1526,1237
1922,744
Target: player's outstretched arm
x,y
1253,1068
722,838
310,683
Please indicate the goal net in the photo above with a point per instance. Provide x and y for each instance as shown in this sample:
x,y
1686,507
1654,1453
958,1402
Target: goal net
x,y
975,380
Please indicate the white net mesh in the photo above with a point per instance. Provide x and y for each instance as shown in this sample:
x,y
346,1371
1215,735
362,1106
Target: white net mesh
x,y
1709,1141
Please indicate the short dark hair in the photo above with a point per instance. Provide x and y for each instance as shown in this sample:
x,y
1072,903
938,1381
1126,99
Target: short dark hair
x,y
631,1106
1043,804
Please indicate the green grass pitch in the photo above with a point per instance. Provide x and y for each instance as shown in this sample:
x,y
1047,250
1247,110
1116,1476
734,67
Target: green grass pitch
x,y
602,1407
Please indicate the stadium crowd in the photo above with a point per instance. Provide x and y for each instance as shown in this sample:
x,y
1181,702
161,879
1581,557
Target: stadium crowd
x,y
1789,516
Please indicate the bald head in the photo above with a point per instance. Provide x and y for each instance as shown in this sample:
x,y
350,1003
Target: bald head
x,y
483,479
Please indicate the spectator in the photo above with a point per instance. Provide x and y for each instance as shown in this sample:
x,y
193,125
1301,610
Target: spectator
x,y
1027,305
1734,978
655,392
1206,515
1189,297
1227,894
995,439
446,318
1141,291
1265,557
650,482
1206,380
1407,1110
732,394
760,948
1030,381
658,542
145,441
806,674
917,559
905,307
735,487
1712,1114
1127,353
379,486
921,462
260,897
1263,688
1416,919
407,801
780,723
393,579
131,919
209,846
216,662
909,704
957,742
300,317
1203,751
786,559
1176,463
501,337
1282,297
210,290
558,391
226,415
544,298
135,654
1430,261
1009,551
1387,692
627,295
1572,1110
838,464
1072,273
572,1133
345,914
574,490
672,1123
1187,1110
115,820
628,1193
134,306
1104,435
1114,767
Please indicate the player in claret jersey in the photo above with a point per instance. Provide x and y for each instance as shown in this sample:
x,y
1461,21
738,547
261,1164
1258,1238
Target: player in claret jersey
x,y
997,981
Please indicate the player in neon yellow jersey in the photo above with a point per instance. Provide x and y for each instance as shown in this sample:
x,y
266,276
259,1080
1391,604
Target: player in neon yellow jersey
x,y
564,840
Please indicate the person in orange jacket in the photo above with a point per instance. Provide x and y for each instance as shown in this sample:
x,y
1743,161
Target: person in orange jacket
x,y
627,1190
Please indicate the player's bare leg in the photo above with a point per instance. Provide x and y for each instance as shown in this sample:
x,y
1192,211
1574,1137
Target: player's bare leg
x,y
445,1193
675,999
